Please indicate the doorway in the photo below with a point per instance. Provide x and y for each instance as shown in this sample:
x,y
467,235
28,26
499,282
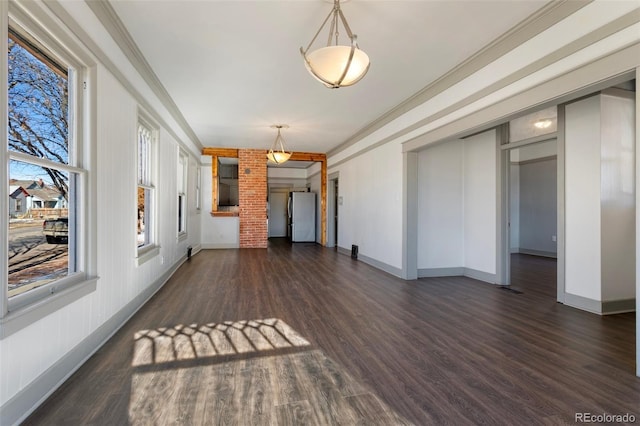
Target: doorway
x,y
532,188
278,198
533,217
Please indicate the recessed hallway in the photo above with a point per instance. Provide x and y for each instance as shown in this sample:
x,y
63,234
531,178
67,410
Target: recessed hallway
x,y
354,345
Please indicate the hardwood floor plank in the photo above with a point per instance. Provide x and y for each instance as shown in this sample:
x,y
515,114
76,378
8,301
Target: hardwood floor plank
x,y
295,413
299,334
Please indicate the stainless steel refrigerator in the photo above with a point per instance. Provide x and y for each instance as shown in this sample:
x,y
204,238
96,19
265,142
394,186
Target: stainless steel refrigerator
x,y
302,217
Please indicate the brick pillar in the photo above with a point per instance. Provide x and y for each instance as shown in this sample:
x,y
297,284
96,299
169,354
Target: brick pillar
x,y
252,188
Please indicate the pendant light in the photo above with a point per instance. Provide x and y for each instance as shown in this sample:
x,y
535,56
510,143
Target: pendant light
x,y
277,154
336,65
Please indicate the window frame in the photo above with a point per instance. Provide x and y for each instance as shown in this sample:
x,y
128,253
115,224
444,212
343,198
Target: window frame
x,y
21,310
198,189
148,251
183,206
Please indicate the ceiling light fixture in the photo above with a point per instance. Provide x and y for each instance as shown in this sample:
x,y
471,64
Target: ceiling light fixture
x,y
543,123
336,65
277,153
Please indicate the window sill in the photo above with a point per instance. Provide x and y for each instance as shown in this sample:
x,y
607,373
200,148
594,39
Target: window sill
x,y
182,236
225,214
146,254
22,317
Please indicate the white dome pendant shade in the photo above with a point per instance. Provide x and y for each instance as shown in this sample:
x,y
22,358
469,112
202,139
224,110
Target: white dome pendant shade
x,y
278,157
336,65
277,153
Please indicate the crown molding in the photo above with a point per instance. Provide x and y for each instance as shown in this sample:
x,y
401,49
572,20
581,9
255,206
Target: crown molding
x,y
611,28
116,28
614,68
547,16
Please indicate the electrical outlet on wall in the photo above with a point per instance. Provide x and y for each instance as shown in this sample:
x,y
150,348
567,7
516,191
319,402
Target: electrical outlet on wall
x,y
554,238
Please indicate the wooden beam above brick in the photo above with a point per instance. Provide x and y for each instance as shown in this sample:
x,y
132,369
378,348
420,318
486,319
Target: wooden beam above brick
x,y
308,156
221,152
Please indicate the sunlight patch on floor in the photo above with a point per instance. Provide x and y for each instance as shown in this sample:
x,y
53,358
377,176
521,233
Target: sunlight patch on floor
x,y
184,342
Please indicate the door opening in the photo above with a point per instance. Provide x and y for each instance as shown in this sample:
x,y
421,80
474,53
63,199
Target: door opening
x,y
278,198
533,217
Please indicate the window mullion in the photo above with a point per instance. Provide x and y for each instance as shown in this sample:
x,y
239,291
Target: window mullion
x,y
43,162
151,187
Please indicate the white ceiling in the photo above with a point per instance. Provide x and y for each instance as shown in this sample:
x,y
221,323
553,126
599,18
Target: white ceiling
x,y
234,67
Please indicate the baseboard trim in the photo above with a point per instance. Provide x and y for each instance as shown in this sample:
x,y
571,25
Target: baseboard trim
x,y
480,275
196,249
584,303
618,306
457,271
216,246
344,251
21,405
542,253
373,262
381,265
440,272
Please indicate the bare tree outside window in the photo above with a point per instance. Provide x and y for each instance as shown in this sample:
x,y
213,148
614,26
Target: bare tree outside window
x,y
38,129
38,109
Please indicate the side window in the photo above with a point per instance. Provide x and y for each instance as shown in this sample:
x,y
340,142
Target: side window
x,y
183,161
198,190
146,217
46,173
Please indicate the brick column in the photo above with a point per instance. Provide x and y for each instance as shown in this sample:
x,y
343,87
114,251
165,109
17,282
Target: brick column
x,y
252,188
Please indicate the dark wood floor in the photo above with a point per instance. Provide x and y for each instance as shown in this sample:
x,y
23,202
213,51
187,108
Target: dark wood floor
x,y
335,341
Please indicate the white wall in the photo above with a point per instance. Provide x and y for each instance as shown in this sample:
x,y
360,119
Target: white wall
x,y
457,187
286,173
514,206
315,183
600,198
618,197
284,177
582,198
441,206
480,202
371,212
39,353
216,232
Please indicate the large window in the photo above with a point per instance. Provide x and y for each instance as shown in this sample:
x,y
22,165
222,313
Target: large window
x,y
40,150
183,161
198,194
45,170
146,218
